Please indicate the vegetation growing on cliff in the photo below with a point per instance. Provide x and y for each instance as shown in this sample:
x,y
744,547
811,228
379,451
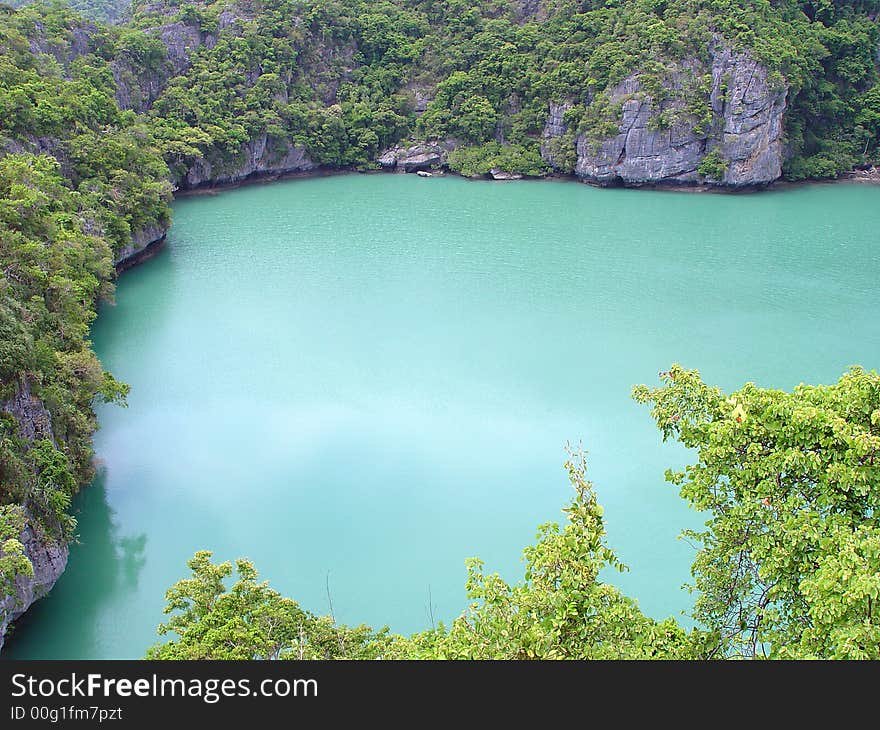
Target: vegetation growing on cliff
x,y
342,79
787,567
77,177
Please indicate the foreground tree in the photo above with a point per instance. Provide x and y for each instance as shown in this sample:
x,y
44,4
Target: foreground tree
x,y
561,610
789,562
249,620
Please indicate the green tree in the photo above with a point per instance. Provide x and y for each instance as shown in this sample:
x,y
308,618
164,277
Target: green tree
x,y
14,563
790,483
561,610
250,620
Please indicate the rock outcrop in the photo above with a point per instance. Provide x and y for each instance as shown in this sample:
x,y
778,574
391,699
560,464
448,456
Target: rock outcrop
x,y
144,243
730,110
32,418
48,556
46,552
412,158
496,173
261,157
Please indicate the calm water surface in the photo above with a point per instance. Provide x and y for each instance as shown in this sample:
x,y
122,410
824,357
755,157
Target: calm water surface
x,y
364,380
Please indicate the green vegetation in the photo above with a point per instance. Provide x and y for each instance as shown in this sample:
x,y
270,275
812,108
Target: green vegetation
x,y
713,165
110,11
251,621
478,161
77,178
788,566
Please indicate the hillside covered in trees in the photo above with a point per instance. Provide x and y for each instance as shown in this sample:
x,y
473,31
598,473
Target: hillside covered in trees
x,y
100,123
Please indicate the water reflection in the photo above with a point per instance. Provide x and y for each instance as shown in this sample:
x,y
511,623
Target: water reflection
x,y
104,568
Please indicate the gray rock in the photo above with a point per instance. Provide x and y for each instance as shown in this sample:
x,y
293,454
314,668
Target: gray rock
x,y
497,173
48,556
33,419
662,142
80,42
47,553
142,242
262,156
639,154
751,137
555,126
135,90
430,155
181,41
421,161
531,10
387,159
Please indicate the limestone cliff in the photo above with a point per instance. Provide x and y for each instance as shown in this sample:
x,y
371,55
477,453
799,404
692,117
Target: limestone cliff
x,y
143,243
729,109
415,157
46,552
261,156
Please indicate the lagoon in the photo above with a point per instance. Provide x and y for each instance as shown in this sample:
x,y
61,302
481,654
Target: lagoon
x,y
359,381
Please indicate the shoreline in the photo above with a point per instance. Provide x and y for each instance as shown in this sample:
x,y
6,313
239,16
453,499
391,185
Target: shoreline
x,y
853,176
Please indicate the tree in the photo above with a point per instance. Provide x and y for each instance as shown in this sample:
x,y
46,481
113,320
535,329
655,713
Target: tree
x,y
561,610
476,119
790,557
869,117
250,621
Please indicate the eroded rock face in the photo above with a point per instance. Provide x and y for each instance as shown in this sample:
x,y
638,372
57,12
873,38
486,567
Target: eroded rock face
x,y
262,156
47,553
751,109
665,141
48,556
413,158
181,41
138,89
34,421
496,173
142,242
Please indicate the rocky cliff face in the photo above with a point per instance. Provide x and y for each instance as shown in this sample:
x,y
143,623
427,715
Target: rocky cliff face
x,y
143,242
48,556
415,157
137,88
261,156
729,109
47,553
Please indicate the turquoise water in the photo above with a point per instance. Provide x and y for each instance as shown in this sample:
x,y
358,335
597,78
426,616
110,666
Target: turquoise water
x,y
364,380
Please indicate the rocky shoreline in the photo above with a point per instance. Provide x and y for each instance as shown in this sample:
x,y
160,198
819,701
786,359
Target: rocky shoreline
x,y
149,247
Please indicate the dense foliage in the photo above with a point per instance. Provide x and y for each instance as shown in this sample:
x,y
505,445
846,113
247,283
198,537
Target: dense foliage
x,y
790,558
251,621
77,177
788,565
342,78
